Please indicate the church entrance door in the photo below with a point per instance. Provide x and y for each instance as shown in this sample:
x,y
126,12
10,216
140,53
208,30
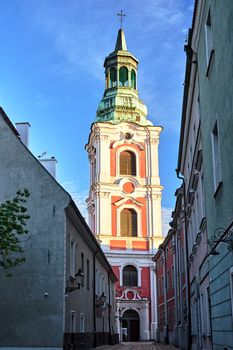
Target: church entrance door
x,y
130,326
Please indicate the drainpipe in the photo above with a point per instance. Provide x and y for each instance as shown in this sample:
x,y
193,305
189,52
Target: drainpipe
x,y
186,260
166,338
94,285
157,303
109,310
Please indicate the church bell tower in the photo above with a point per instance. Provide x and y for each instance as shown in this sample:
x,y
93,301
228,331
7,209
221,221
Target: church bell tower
x,y
124,202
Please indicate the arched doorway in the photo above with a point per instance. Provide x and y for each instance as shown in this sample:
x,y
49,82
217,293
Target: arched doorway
x,y
130,326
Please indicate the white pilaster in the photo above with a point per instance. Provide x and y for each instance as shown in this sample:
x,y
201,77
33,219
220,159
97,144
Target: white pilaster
x,y
144,323
153,303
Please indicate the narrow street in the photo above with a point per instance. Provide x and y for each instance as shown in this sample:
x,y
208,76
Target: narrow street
x,y
138,346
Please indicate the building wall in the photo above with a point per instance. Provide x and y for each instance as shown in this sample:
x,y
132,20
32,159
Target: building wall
x,y
216,104
93,302
165,261
40,305
27,317
76,301
111,191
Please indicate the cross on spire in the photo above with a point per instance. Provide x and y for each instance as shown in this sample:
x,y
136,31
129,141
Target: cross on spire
x,y
121,15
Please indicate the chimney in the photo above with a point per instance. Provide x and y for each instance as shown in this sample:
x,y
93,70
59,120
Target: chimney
x,y
50,165
23,130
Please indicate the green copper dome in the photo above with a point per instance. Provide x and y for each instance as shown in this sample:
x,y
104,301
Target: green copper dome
x,y
120,102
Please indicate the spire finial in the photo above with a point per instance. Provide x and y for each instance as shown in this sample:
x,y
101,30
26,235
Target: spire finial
x,y
121,15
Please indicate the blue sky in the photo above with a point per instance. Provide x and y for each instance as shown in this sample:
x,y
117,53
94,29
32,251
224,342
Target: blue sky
x,y
52,75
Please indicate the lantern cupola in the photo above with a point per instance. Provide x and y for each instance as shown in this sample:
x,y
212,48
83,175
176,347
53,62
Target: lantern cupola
x,y
121,101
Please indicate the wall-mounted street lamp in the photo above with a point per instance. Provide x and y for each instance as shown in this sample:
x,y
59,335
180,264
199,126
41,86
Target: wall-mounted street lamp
x,y
76,284
100,300
80,273
220,235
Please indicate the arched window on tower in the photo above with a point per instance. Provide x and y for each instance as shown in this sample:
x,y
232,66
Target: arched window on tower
x,y
130,276
133,79
129,223
113,77
124,79
127,163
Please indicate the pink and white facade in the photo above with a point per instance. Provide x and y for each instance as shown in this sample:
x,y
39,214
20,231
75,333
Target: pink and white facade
x,y
124,202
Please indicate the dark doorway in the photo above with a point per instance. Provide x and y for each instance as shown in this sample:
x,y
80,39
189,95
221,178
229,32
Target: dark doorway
x,y
130,326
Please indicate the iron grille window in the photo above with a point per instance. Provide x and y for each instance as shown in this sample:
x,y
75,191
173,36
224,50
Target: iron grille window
x,y
128,223
130,276
127,163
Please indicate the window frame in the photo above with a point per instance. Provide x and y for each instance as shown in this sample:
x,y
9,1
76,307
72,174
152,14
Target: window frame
x,y
139,220
126,83
209,45
131,217
138,271
129,285
134,86
72,246
82,322
72,321
112,83
129,149
132,160
216,158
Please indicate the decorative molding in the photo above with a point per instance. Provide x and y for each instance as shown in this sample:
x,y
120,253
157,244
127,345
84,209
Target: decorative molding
x,y
124,294
123,141
154,141
124,200
104,194
104,138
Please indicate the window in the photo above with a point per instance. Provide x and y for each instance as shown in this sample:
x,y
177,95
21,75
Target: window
x,y
123,76
202,196
173,277
72,258
82,323
182,260
96,282
72,321
82,268
168,280
205,312
113,77
99,290
208,38
130,276
216,157
162,286
170,318
128,219
103,286
127,163
133,79
88,274
208,324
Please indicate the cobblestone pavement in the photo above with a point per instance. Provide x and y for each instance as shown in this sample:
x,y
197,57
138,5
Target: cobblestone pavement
x,y
138,346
